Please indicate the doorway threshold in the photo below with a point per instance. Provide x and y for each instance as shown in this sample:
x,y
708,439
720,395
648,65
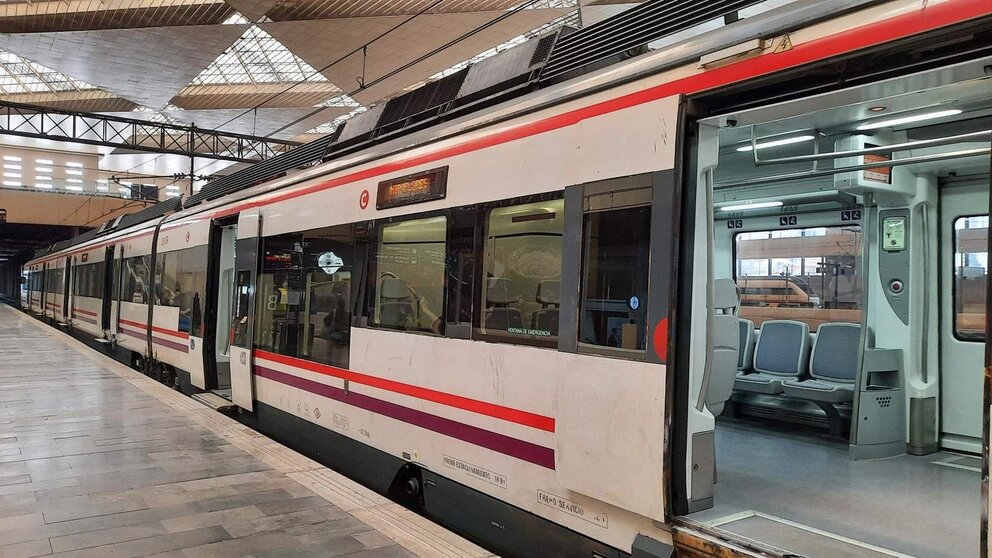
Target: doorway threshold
x,y
796,539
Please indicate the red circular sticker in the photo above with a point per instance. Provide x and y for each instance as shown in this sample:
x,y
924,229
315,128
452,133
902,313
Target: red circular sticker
x,y
363,200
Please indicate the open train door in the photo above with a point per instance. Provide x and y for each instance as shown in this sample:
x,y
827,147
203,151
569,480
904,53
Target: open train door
x,y
243,309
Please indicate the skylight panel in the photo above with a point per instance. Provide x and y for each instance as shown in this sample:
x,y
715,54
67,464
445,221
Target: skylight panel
x,y
18,75
256,57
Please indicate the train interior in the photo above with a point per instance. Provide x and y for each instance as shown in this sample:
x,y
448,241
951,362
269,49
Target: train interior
x,y
836,407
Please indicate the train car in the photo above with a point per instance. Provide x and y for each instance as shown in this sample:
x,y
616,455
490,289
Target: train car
x,y
527,322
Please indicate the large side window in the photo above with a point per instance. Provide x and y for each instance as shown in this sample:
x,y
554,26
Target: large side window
x,y
191,280
810,275
521,278
88,280
168,291
971,271
616,234
305,296
410,270
134,287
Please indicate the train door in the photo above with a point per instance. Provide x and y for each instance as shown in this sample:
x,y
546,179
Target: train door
x,y
116,287
219,301
107,289
964,228
243,310
67,289
43,290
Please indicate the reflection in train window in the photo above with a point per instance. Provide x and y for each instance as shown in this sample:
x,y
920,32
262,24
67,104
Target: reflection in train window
x,y
522,272
180,281
810,275
409,282
135,283
304,295
971,268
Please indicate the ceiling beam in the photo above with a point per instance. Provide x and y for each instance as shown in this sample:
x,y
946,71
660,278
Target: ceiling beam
x,y
140,135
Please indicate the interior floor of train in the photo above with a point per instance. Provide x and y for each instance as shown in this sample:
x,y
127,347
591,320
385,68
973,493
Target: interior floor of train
x,y
800,492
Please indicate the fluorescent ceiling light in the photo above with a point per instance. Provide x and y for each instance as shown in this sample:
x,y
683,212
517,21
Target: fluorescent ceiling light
x,y
74,172
777,143
876,124
74,164
123,190
12,175
74,188
170,187
43,178
755,205
42,169
103,188
43,162
74,180
102,180
13,158
127,184
12,167
11,183
172,194
45,186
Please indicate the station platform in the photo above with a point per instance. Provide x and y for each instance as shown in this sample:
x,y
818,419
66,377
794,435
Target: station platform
x,y
98,460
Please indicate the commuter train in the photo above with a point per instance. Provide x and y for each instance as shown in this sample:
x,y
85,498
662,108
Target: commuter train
x,y
727,296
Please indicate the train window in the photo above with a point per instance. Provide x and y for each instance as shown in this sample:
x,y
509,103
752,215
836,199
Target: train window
x,y
971,269
167,287
522,272
180,281
616,233
134,287
89,280
191,278
810,275
305,294
328,264
410,269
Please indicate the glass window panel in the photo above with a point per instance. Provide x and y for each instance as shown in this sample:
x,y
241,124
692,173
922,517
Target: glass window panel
x,y
522,271
305,295
409,287
970,276
811,277
615,278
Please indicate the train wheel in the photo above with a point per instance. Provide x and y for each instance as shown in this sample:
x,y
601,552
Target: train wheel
x,y
407,488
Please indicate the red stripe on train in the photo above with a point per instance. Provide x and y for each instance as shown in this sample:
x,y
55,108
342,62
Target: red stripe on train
x,y
473,405
156,329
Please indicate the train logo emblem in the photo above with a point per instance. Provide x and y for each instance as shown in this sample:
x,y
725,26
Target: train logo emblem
x,y
363,200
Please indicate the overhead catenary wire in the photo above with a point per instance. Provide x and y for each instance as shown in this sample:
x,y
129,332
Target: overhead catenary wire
x,y
430,6
419,59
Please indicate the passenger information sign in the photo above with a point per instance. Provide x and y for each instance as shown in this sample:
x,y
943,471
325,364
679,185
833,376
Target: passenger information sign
x,y
415,188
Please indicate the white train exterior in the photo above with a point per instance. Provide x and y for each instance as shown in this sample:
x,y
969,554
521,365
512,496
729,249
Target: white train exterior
x,y
578,440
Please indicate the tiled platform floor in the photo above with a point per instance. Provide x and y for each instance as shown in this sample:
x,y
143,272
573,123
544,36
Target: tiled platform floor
x,y
97,460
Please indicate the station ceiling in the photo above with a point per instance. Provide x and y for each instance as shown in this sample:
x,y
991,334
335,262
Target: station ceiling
x,y
289,69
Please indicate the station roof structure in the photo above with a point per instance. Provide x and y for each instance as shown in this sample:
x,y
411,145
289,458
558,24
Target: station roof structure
x,y
285,69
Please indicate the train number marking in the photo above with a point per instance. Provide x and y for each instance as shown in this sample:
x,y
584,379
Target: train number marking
x,y
572,508
486,475
364,433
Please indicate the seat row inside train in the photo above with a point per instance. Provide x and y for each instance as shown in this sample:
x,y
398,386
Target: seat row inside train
x,y
780,358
